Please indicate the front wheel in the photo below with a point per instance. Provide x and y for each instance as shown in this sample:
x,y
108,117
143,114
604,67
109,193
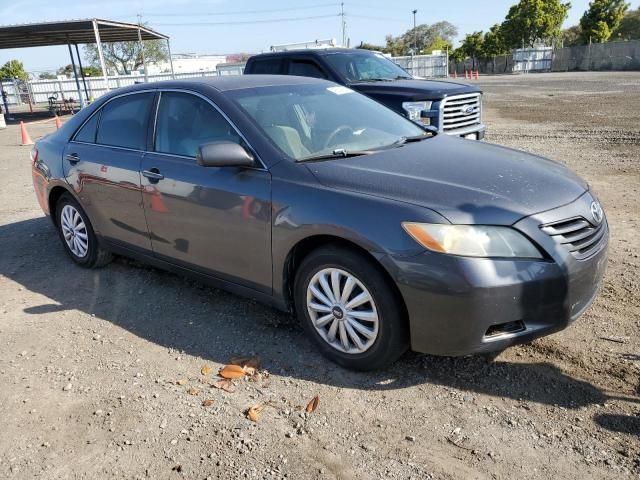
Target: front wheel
x,y
350,309
77,234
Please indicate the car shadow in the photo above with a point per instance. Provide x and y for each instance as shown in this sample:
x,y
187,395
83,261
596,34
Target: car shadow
x,y
186,316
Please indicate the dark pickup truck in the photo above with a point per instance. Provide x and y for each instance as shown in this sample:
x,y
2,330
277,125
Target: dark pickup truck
x,y
453,108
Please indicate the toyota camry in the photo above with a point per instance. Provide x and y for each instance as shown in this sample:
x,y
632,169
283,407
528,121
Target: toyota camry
x,y
379,234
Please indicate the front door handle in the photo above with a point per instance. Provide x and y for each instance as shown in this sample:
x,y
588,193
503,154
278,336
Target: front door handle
x,y
73,158
153,174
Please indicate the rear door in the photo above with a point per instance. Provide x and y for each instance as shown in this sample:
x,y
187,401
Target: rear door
x,y
102,164
216,220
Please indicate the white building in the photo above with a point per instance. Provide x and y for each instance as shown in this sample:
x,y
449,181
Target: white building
x,y
187,63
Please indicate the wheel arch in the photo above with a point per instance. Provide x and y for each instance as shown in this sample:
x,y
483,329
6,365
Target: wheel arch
x,y
308,245
54,196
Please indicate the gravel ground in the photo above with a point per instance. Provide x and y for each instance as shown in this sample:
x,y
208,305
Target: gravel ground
x,y
101,371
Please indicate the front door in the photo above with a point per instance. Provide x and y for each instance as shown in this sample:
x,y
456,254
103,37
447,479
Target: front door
x,y
215,220
102,164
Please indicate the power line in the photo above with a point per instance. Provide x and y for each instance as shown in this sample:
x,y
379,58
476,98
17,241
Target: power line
x,y
239,12
246,22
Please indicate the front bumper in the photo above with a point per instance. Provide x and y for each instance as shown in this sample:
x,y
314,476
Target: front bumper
x,y
461,305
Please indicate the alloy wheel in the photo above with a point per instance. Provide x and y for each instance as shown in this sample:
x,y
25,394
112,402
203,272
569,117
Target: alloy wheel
x,y
342,311
74,231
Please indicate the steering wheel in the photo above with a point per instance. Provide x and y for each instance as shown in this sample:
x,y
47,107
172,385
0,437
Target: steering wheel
x,y
335,133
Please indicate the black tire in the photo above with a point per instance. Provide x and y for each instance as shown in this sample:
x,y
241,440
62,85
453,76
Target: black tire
x,y
393,334
96,255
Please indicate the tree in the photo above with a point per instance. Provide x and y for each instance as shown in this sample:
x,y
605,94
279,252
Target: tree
x,y
47,76
629,28
493,43
532,21
125,57
601,19
371,46
395,46
438,43
14,69
473,44
424,36
572,36
92,71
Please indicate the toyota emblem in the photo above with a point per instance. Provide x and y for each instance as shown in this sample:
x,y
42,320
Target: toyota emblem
x,y
596,212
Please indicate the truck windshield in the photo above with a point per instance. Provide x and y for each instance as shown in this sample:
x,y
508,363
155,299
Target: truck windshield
x,y
323,120
365,66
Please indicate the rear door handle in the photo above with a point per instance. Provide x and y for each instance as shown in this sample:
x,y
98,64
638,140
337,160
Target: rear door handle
x,y
153,174
73,158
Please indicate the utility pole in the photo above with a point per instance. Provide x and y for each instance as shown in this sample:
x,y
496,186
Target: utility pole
x,y
415,33
344,25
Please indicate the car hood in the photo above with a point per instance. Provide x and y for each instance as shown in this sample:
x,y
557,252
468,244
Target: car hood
x,y
414,89
467,182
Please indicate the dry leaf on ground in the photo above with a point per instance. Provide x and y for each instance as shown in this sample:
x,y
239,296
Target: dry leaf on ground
x,y
207,403
254,412
232,371
193,391
206,370
225,385
313,404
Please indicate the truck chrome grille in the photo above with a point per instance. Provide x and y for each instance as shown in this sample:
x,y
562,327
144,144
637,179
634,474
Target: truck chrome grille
x,y
581,237
461,111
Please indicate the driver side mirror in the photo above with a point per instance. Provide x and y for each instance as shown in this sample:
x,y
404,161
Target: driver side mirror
x,y
224,154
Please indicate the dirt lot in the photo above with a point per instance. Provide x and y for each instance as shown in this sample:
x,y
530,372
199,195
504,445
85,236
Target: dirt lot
x,y
100,371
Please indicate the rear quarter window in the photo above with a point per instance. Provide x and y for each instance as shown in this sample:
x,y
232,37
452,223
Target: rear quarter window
x,y
87,133
267,66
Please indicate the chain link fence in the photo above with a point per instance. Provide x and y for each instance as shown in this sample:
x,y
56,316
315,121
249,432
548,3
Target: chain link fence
x,y
430,66
594,57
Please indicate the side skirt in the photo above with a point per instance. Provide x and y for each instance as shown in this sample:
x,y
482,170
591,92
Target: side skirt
x,y
210,280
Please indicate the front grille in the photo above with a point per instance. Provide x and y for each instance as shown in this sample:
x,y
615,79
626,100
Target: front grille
x,y
461,111
581,237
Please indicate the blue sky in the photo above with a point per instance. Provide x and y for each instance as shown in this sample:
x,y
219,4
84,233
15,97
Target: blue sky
x,y
367,20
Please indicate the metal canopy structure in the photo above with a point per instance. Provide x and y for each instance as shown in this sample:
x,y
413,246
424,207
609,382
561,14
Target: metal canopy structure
x,y
74,32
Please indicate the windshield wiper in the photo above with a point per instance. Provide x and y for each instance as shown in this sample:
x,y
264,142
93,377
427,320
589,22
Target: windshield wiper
x,y
338,153
416,138
403,77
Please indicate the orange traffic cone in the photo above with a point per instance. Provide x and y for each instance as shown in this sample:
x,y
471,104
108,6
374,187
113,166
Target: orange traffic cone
x,y
26,139
58,122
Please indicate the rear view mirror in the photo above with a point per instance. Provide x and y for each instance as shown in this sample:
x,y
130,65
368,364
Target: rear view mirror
x,y
224,154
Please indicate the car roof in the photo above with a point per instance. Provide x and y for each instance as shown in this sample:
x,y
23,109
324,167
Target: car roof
x,y
230,82
311,51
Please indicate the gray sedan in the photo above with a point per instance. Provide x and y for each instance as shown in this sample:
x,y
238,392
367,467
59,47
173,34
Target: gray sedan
x,y
380,235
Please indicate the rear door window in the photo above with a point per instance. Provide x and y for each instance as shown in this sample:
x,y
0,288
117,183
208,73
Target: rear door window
x,y
267,66
186,121
124,121
306,68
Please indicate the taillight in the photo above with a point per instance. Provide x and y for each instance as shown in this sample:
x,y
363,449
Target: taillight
x,y
34,155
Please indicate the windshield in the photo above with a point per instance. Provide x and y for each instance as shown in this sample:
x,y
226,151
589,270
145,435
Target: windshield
x,y
365,66
311,120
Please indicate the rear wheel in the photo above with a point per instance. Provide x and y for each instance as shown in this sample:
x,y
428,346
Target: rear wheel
x,y
350,309
77,234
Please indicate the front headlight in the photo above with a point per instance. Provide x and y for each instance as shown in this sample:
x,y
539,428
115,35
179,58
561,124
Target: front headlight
x,y
414,111
472,240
